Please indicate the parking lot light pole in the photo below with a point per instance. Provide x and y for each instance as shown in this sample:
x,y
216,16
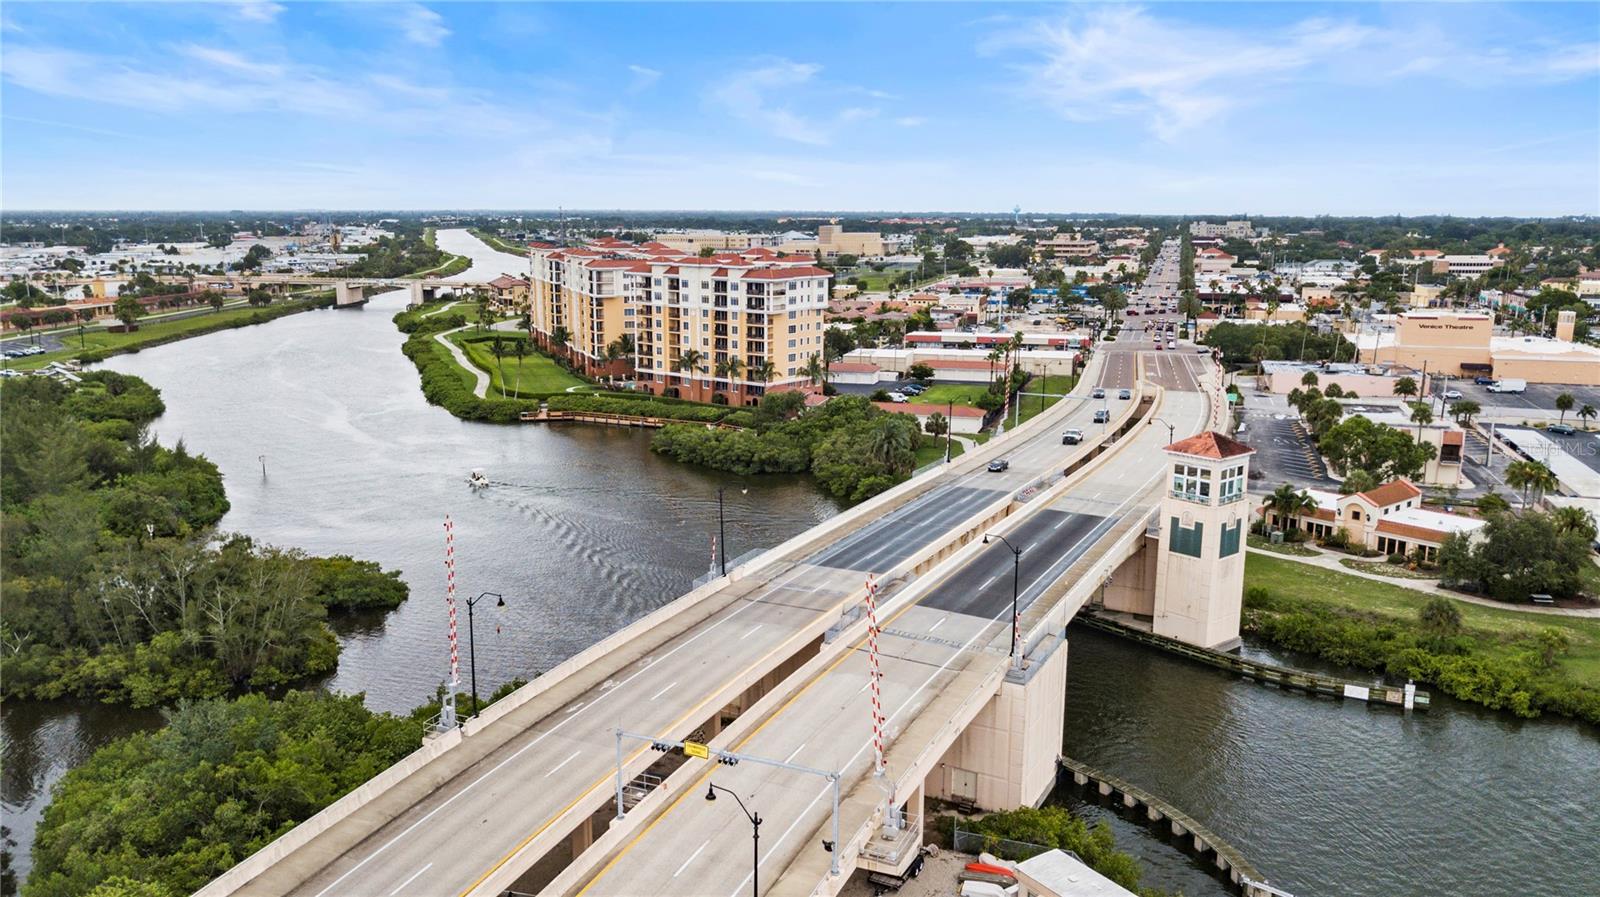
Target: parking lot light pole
x,y
1016,575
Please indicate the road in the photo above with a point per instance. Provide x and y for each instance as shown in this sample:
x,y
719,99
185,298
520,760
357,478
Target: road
x,y
557,755
931,651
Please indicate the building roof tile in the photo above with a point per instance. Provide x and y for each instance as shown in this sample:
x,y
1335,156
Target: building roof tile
x,y
1210,444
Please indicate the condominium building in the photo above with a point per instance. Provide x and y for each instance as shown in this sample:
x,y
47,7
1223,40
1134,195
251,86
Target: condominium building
x,y
726,327
1237,230
1065,246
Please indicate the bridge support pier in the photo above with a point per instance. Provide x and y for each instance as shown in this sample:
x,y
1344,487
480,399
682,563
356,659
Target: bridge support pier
x,y
347,295
1006,758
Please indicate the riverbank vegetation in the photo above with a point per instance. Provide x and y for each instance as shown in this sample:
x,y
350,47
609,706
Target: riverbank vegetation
x,y
854,449
1503,659
99,344
159,814
408,253
1055,828
117,588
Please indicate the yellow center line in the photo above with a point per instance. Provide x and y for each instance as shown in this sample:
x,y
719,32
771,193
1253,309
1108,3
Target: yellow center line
x,y
711,768
602,781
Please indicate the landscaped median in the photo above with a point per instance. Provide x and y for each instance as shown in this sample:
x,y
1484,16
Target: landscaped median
x,y
1504,659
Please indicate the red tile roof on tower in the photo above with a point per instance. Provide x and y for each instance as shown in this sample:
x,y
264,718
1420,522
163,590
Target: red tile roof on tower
x,y
1210,444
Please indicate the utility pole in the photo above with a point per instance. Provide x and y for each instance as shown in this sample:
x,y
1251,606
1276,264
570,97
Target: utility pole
x,y
722,536
949,429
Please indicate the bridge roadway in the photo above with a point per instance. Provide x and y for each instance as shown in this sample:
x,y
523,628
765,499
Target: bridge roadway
x,y
442,830
942,649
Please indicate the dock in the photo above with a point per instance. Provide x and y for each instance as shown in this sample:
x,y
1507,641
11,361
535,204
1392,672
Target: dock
x,y
1406,697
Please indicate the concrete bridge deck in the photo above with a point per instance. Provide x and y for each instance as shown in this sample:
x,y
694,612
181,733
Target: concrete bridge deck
x,y
944,655
485,802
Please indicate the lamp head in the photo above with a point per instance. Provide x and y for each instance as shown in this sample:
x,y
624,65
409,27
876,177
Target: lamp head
x,y
986,538
501,602
711,792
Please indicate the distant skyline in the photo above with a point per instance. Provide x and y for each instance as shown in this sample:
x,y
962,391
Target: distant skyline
x,y
1266,109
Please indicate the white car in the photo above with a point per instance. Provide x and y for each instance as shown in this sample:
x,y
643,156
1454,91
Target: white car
x,y
1452,393
899,398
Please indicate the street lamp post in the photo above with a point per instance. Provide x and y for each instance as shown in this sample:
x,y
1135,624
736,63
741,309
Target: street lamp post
x,y
1171,437
755,834
722,535
1016,575
472,643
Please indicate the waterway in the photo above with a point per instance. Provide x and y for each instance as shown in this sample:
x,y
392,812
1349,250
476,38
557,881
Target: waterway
x,y
584,530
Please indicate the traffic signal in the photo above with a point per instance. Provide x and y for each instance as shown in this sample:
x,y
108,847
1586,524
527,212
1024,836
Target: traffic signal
x,y
727,760
661,746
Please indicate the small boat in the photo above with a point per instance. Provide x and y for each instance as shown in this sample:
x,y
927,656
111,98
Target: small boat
x,y
477,480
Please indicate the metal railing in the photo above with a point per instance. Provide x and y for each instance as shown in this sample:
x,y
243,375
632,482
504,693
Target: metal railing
x,y
895,839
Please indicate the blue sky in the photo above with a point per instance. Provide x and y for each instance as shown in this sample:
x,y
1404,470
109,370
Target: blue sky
x,y
1165,108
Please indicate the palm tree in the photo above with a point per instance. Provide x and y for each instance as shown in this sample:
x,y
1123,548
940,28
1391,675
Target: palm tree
x,y
1405,386
1309,378
1289,503
1421,415
498,349
519,348
816,371
1587,413
763,371
1564,403
729,369
891,444
1532,477
1574,520
1358,480
1464,409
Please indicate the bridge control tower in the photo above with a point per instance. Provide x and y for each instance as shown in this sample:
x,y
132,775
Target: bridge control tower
x,y
1203,519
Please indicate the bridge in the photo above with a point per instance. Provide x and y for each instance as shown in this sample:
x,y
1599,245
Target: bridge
x,y
774,662
348,291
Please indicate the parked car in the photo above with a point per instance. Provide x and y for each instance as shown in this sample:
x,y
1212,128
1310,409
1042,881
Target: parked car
x,y
1172,344
999,465
1071,436
914,389
1561,429
1098,393
1102,416
1482,381
1125,394
898,398
1452,393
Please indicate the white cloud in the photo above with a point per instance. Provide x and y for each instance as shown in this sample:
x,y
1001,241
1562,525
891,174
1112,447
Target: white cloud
x,y
1123,62
259,10
644,77
228,59
910,121
422,25
744,95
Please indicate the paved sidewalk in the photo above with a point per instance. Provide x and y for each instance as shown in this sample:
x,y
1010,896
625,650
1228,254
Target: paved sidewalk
x,y
482,389
1429,586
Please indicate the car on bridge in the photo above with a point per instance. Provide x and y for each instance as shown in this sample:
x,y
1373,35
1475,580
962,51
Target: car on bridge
x,y
999,465
1071,436
1102,416
1125,394
1098,393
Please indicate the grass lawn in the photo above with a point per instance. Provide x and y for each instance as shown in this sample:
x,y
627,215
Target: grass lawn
x,y
946,393
150,330
496,243
1292,548
876,281
535,373
932,450
1315,584
1057,385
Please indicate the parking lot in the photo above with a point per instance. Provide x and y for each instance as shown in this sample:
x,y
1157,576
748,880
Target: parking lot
x,y
1284,453
1538,397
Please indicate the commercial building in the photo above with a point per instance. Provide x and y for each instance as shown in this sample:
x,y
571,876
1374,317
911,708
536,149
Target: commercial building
x,y
726,327
1466,265
1389,519
1364,380
1465,345
1235,230
1068,246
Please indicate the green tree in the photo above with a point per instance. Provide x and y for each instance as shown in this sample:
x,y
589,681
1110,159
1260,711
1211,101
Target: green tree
x,y
919,371
1564,403
127,310
1309,378
498,349
936,424
1570,519
1358,443
1586,414
1289,503
816,370
213,299
1532,477
1492,502
1463,410
1440,618
1358,480
178,806
1405,386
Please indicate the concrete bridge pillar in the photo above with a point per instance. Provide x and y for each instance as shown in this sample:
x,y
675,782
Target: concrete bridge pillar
x,y
347,295
1007,756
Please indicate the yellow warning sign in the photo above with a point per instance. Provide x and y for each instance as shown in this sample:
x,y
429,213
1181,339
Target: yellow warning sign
x,y
696,749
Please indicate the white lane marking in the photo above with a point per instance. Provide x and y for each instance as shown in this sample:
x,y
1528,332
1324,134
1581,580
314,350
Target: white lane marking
x,y
691,858
750,633
987,581
1062,523
777,584
940,623
562,763
795,752
904,705
663,691
410,880
576,707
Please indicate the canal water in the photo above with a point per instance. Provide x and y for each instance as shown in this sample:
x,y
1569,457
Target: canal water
x,y
584,530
